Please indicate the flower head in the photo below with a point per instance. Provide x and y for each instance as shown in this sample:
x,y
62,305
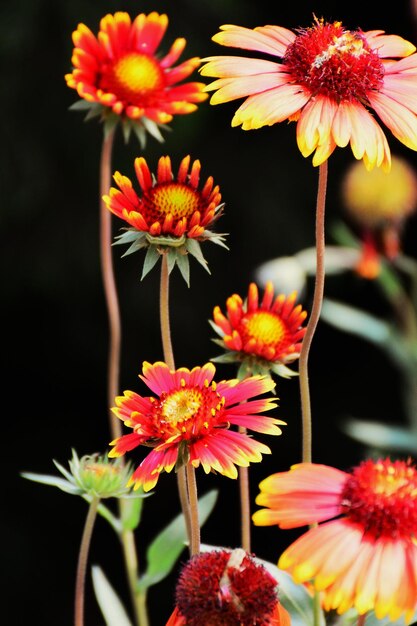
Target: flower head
x,y
262,335
367,557
328,79
227,588
189,421
120,75
171,215
379,203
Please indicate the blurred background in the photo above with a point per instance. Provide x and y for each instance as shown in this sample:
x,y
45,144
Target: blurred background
x,y
55,331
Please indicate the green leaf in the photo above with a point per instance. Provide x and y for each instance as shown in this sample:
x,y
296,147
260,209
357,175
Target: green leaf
x,y
356,322
294,597
151,258
381,436
110,604
132,509
165,549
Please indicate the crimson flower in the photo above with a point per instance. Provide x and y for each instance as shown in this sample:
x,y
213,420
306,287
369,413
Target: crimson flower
x,y
327,79
227,588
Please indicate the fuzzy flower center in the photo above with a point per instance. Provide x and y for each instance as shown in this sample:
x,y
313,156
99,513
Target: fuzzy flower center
x,y
225,589
333,62
132,76
381,497
174,199
188,411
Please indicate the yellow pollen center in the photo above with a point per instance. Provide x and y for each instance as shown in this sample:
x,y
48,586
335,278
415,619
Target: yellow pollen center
x,y
137,73
265,327
347,43
176,199
181,405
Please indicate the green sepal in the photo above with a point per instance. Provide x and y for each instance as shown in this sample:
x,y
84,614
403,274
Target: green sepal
x,y
165,549
183,455
171,242
217,330
53,481
184,266
194,248
171,259
227,357
217,238
81,105
151,258
282,370
110,123
154,129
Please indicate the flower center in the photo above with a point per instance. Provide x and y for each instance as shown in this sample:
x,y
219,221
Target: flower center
x,y
133,76
265,327
381,497
337,63
181,405
188,411
171,198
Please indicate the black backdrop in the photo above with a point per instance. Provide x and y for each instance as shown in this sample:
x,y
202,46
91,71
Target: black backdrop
x,y
55,322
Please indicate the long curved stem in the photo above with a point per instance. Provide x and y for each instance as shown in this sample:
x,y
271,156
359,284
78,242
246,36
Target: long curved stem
x,y
82,562
169,360
113,371
314,315
109,284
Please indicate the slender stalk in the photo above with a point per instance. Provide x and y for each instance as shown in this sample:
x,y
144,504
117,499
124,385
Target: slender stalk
x,y
169,360
244,504
138,599
82,562
109,284
361,620
314,315
193,500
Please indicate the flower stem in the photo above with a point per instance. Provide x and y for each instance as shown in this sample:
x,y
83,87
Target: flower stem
x,y
169,360
82,562
110,284
314,315
113,371
244,505
193,500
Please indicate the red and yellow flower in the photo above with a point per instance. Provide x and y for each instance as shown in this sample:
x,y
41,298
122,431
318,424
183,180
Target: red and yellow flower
x,y
189,422
171,214
227,588
327,79
262,335
367,557
121,72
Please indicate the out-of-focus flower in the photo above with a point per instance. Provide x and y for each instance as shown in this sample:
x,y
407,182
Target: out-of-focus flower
x,y
171,216
189,422
227,588
120,75
264,336
367,558
328,79
379,204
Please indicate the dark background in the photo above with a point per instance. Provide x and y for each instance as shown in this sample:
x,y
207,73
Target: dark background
x,y
54,318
